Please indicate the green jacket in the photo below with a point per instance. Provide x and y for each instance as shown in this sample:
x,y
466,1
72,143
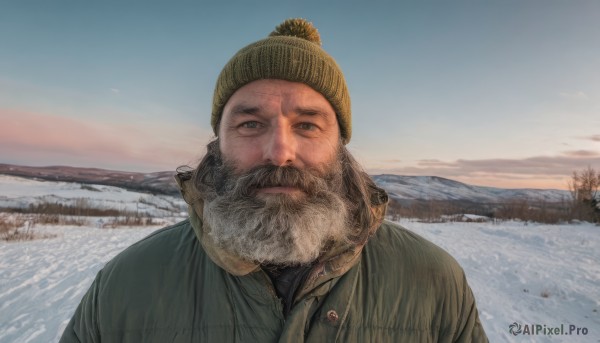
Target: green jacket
x,y
174,286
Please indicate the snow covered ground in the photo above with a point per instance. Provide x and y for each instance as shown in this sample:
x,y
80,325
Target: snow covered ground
x,y
529,274
42,281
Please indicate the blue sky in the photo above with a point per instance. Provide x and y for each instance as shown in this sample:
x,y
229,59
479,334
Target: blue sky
x,y
499,93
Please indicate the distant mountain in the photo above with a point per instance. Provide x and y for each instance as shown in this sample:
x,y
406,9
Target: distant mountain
x,y
156,183
437,188
400,188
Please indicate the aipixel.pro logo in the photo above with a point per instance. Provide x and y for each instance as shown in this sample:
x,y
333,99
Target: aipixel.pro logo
x,y
514,328
545,330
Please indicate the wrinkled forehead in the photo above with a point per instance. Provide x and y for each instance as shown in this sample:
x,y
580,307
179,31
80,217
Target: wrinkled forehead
x,y
272,95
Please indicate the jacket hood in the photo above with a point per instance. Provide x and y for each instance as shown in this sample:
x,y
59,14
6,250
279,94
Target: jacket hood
x,y
337,259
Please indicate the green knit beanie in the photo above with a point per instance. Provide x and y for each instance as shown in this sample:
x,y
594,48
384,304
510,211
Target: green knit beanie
x,y
293,53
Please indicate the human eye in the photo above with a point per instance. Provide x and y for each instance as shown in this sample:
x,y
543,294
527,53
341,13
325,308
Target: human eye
x,y
250,128
307,126
250,125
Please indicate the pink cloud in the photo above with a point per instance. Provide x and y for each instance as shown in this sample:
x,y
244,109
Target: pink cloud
x,y
54,139
532,172
581,153
594,138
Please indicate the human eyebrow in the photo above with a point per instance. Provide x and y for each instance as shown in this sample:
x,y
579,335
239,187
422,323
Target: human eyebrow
x,y
242,109
312,111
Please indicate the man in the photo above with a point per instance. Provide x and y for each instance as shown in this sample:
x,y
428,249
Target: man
x,y
285,240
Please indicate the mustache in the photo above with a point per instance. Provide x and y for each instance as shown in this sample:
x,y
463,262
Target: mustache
x,y
264,176
215,178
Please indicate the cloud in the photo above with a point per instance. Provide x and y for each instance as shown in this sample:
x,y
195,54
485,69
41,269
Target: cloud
x,y
578,95
531,172
115,90
581,153
393,160
44,139
429,163
594,138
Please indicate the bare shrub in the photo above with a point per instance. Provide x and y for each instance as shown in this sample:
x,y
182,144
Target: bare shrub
x,y
57,219
9,226
536,210
513,209
540,211
18,236
130,220
81,208
584,187
435,210
19,228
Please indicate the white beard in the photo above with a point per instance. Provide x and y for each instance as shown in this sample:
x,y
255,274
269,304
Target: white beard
x,y
274,228
279,229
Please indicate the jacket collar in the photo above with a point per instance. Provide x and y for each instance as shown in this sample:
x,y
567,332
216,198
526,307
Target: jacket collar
x,y
337,260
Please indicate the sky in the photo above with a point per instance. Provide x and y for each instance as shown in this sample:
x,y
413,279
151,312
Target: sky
x,y
499,93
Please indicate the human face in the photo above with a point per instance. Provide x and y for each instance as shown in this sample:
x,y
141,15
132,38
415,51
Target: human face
x,y
280,123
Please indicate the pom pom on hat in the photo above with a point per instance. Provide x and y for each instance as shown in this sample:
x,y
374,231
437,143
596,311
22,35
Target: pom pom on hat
x,y
298,27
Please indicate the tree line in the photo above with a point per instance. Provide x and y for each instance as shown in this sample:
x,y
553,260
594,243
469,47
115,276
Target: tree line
x,y
584,186
582,205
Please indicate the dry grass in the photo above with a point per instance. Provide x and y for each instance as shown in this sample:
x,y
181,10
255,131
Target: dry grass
x,y
21,227
14,227
433,211
128,221
17,224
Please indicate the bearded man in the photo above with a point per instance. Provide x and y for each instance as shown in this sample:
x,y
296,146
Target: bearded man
x,y
285,239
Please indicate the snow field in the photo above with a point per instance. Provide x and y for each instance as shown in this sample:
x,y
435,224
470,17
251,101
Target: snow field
x,y
42,281
530,274
527,273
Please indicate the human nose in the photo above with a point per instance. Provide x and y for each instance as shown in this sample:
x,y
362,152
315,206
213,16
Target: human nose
x,y
280,149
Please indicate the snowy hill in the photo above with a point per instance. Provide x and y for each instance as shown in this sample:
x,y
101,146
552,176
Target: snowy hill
x,y
156,183
399,187
437,188
18,192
